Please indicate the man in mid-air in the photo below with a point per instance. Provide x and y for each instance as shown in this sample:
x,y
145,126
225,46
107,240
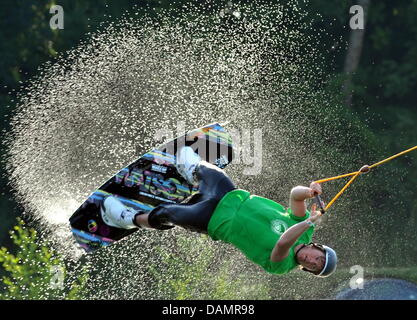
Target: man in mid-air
x,y
275,238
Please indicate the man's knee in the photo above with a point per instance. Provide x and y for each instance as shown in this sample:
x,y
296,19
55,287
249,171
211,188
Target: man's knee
x,y
159,218
207,170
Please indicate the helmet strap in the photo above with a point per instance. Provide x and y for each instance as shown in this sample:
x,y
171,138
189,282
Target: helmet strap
x,y
296,253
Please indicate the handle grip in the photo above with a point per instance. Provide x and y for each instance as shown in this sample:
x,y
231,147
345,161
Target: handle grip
x,y
320,203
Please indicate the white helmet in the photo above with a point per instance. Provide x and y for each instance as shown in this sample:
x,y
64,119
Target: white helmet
x,y
330,264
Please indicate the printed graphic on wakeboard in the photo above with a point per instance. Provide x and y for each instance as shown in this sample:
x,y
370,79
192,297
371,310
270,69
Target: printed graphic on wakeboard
x,y
147,182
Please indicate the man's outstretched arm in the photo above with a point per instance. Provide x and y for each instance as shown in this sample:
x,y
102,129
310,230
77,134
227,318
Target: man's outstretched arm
x,y
289,237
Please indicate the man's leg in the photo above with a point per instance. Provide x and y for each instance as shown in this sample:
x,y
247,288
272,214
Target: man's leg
x,y
213,185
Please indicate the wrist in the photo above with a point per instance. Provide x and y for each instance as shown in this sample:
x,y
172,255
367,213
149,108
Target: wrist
x,y
310,223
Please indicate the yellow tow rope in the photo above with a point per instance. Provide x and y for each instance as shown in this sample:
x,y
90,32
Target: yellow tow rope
x,y
355,175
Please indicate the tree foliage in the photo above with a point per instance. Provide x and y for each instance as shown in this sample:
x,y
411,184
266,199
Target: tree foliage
x,y
183,274
35,271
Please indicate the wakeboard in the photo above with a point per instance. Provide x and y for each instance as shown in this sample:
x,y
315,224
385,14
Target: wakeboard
x,y
147,182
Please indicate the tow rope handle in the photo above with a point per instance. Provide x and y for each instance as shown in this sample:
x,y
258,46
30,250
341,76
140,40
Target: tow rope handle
x,y
354,175
369,167
320,203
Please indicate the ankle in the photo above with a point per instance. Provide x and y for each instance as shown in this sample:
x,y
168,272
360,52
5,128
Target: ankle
x,y
141,220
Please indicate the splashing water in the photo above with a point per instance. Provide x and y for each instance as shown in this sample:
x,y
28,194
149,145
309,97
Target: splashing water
x,y
98,107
